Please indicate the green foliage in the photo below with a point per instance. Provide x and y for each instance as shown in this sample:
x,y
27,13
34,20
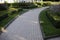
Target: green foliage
x,y
3,16
20,9
58,13
38,3
46,4
15,5
8,15
47,26
22,5
54,18
2,7
27,5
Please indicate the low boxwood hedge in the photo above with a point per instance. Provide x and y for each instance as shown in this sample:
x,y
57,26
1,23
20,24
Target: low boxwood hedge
x,y
58,13
22,5
55,19
46,4
13,12
3,7
49,30
3,16
20,9
38,3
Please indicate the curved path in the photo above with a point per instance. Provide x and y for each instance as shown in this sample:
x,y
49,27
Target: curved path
x,y
25,27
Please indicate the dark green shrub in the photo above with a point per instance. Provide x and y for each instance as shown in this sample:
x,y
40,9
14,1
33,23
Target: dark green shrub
x,y
58,13
22,5
15,5
38,3
33,6
13,12
27,5
20,9
55,20
3,7
46,4
8,5
3,17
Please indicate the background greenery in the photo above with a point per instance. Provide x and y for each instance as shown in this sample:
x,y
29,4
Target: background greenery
x,y
10,10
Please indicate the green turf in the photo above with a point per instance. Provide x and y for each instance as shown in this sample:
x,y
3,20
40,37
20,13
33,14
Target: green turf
x,y
47,26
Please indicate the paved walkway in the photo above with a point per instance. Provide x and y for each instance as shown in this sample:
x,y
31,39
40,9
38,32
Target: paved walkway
x,y
25,27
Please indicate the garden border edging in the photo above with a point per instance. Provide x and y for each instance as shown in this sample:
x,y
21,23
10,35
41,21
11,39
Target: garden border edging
x,y
12,21
48,37
43,34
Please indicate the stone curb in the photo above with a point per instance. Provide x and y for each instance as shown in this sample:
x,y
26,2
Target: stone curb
x,y
43,34
11,21
42,30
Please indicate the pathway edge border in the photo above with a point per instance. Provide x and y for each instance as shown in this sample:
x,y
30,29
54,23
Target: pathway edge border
x,y
41,25
11,21
43,34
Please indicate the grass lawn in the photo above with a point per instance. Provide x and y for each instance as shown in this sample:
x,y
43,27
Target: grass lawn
x,y
47,26
10,17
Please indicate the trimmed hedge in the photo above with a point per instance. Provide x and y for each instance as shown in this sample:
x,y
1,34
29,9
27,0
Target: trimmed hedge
x,y
20,9
15,5
23,5
46,4
54,19
3,7
58,13
38,3
13,12
3,17
27,5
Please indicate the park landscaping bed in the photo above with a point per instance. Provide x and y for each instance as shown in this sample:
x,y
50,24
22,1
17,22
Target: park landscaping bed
x,y
6,15
48,26
24,5
11,14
